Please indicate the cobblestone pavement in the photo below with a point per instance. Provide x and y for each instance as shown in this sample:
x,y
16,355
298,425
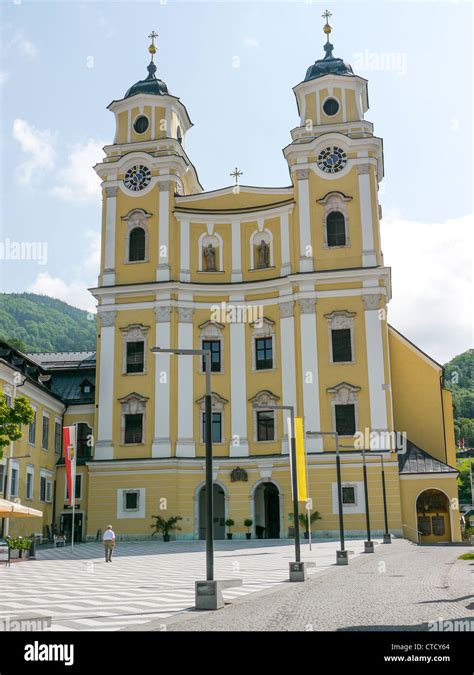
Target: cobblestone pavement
x,y
147,580
400,587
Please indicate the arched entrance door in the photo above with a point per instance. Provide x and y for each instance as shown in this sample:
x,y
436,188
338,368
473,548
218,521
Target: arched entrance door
x,y
432,510
219,512
267,510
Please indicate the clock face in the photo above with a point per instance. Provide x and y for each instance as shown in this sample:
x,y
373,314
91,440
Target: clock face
x,y
332,160
137,178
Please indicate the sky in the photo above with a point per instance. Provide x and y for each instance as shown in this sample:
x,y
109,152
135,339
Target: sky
x,y
233,64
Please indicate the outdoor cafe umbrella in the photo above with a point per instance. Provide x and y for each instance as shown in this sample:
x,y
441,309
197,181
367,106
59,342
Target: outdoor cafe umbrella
x,y
14,510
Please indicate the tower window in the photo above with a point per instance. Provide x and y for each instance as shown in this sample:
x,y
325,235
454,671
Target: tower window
x,y
137,245
336,229
216,427
331,107
345,419
215,348
179,135
341,345
265,425
264,353
133,428
141,124
135,356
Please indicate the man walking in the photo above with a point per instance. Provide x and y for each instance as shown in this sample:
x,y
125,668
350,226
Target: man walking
x,y
109,543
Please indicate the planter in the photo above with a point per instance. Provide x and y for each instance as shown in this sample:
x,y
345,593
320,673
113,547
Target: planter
x,y
248,535
229,535
14,553
166,537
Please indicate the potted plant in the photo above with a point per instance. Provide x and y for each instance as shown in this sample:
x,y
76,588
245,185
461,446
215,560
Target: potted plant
x,y
18,545
248,522
165,525
230,523
303,518
259,530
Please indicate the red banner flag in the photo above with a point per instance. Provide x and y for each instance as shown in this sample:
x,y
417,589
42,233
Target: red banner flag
x,y
69,442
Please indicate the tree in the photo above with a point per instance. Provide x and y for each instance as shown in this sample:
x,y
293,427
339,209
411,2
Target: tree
x,y
11,419
464,480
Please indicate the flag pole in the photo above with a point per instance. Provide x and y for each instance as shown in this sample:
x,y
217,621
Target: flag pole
x,y
308,501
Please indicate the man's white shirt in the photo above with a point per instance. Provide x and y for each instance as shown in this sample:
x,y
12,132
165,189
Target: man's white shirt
x,y
108,535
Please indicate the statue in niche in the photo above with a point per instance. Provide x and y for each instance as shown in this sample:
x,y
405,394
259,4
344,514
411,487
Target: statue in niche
x,y
263,250
210,257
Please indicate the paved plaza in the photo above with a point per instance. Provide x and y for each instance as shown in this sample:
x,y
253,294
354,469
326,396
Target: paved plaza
x,y
146,581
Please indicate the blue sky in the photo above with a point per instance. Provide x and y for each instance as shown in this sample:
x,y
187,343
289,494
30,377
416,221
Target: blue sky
x,y
233,64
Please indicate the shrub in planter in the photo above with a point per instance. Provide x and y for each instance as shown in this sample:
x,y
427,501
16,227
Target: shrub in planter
x,y
248,522
21,545
165,525
230,523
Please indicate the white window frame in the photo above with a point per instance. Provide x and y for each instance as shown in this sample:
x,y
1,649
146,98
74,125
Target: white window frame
x,y
264,397
335,201
57,420
136,218
358,507
344,394
263,329
122,513
212,330
134,332
44,416
133,404
15,466
34,424
218,406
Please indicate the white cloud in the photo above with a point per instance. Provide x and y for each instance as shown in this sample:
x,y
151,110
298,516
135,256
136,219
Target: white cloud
x,y
74,293
251,42
24,45
431,282
77,181
38,146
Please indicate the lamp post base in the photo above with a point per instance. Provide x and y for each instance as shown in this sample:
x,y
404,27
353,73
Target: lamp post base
x,y
368,546
298,570
208,594
387,538
342,558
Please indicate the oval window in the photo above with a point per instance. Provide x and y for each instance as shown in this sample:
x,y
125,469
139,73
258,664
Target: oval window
x,y
331,107
141,124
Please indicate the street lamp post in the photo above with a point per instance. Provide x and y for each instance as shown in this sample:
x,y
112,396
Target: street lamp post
x,y
387,538
368,545
208,593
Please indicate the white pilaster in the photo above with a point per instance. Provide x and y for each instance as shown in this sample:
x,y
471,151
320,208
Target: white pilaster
x,y
163,270
375,363
185,274
288,362
161,446
285,244
185,446
369,258
104,448
236,252
306,251
108,276
238,389
309,373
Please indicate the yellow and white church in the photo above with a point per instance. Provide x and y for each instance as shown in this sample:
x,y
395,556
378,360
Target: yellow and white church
x,y
288,289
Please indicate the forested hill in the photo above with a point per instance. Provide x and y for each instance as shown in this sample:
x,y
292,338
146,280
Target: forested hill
x,y
459,374
38,323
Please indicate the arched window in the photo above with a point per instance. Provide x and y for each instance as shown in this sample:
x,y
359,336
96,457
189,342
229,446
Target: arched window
x,y
336,229
179,135
136,250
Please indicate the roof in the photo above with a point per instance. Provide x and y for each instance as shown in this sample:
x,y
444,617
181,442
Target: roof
x,y
64,360
150,85
416,460
329,65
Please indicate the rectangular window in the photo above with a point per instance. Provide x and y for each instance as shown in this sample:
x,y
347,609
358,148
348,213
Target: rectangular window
x,y
49,490
14,481
2,478
341,345
136,357
265,425
437,523
8,400
131,500
42,488
345,419
32,431
264,353
215,347
133,428
424,525
216,427
349,495
57,437
29,482
45,435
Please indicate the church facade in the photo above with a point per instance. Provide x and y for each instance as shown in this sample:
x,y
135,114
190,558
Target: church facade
x,y
288,289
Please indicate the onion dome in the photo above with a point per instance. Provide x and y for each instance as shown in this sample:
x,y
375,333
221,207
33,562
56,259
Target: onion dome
x,y
151,84
329,65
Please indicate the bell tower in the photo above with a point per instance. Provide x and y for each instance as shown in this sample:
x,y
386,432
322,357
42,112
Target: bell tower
x,y
336,164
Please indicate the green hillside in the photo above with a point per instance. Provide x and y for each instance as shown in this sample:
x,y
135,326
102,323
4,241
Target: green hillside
x,y
38,323
459,378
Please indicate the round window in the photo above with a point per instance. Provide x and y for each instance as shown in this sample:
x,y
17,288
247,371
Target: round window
x,y
331,107
141,124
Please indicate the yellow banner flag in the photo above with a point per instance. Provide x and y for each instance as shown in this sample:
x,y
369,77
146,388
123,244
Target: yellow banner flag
x,y
300,460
